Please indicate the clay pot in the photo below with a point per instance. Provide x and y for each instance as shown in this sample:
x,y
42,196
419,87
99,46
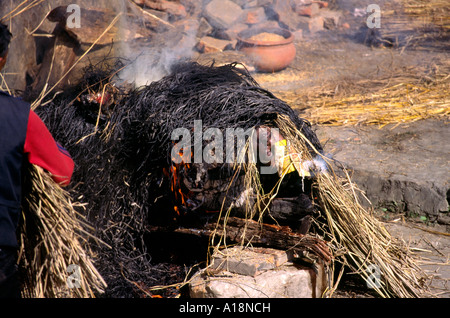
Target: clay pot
x,y
268,56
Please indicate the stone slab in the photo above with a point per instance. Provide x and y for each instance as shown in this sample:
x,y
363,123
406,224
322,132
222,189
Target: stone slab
x,y
221,14
249,261
286,281
208,44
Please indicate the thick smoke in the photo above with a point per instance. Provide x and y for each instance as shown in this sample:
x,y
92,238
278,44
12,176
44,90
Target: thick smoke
x,y
151,59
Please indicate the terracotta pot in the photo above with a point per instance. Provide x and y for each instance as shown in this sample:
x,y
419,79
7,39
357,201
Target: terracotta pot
x,y
268,56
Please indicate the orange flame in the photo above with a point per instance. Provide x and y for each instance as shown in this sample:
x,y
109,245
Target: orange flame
x,y
174,173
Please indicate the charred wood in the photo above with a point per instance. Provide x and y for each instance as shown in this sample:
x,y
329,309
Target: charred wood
x,y
238,230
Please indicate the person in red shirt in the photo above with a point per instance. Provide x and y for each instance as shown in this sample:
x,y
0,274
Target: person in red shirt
x,y
42,150
23,137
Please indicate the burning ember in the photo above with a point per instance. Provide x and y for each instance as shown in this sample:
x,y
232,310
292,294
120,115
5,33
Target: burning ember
x,y
174,173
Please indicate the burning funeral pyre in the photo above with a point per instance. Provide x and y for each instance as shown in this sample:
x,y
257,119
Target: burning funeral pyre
x,y
206,145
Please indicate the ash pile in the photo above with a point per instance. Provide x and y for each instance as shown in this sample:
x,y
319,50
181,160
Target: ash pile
x,y
125,144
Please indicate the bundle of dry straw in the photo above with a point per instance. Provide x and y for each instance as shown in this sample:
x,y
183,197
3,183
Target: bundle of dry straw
x,y
367,244
435,12
53,236
401,98
400,103
358,240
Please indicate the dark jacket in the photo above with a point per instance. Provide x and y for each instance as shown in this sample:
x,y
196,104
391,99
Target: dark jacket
x,y
13,130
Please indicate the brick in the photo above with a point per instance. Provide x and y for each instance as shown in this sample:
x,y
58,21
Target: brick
x,y
331,18
250,262
316,24
208,44
250,4
204,28
303,23
345,25
233,31
221,14
240,3
173,8
310,10
281,11
253,16
298,35
285,281
322,4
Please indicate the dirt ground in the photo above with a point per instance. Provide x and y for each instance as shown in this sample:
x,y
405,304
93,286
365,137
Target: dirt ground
x,y
433,249
408,155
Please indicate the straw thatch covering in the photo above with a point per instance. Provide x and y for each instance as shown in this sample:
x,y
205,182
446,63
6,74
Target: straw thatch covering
x,y
54,236
121,152
119,189
357,238
366,242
